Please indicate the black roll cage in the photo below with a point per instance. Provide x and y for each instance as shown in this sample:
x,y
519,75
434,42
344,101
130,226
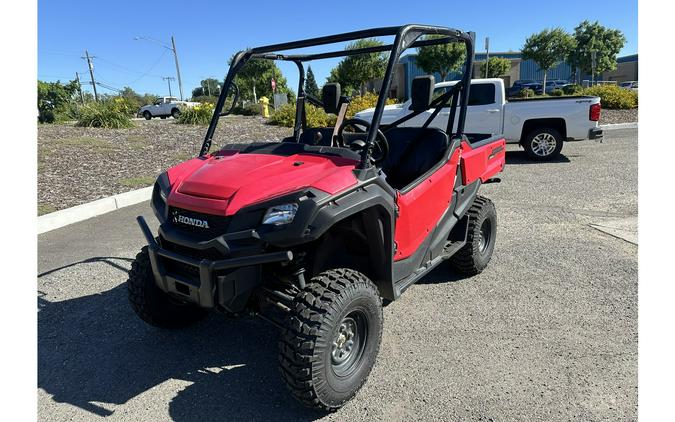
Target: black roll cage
x,y
406,36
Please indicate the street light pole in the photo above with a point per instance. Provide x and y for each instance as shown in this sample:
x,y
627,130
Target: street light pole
x,y
175,56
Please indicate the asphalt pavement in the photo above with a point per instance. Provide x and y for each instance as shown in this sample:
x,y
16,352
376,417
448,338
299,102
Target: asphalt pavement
x,y
547,332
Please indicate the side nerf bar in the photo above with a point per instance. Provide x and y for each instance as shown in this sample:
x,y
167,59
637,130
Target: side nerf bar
x,y
203,293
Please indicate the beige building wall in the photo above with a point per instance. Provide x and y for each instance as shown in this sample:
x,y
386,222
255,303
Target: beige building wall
x,y
627,71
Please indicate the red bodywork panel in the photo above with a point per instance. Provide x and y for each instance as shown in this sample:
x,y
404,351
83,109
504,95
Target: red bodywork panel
x,y
222,184
421,208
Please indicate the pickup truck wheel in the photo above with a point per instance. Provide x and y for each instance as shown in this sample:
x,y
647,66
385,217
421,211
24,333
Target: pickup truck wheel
x,y
175,113
151,304
543,144
147,115
331,339
480,243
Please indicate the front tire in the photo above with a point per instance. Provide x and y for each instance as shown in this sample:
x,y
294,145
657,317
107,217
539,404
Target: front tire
x,y
331,338
480,243
147,115
151,304
543,144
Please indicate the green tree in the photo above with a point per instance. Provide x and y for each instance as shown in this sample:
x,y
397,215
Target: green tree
x,y
604,41
209,87
441,58
497,66
356,71
548,48
260,72
54,97
311,87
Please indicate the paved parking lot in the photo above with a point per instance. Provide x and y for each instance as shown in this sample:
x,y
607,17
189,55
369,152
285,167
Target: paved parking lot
x,y
547,332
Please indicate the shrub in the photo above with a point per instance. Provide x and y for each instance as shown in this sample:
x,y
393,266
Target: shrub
x,y
200,114
572,89
557,93
612,96
367,100
526,93
316,117
251,109
106,115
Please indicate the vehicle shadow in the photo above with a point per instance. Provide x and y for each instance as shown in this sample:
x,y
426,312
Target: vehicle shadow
x,y
95,353
521,157
441,274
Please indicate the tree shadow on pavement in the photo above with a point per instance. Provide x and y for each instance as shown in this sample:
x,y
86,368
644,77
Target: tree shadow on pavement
x,y
521,157
95,353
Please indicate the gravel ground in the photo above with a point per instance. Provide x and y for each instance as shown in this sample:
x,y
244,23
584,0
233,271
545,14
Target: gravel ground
x,y
618,116
78,165
547,332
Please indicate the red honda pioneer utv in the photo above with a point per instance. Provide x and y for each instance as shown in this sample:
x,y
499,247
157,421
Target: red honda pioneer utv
x,y
313,232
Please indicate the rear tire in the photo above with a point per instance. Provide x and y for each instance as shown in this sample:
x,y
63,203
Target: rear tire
x,y
480,243
175,113
331,338
543,144
147,115
151,304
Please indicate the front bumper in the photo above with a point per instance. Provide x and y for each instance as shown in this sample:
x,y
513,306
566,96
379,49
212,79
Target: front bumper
x,y
595,133
225,282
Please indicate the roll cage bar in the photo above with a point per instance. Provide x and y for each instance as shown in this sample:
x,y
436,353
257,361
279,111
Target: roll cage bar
x,y
406,36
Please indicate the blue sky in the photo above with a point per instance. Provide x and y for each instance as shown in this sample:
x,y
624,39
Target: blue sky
x,y
208,32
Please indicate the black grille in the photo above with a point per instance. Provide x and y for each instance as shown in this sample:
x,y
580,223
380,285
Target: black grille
x,y
186,270
217,224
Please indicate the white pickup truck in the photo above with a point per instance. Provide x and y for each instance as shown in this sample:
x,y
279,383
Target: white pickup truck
x,y
540,125
164,107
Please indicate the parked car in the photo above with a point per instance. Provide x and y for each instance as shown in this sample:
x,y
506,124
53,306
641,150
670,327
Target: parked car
x,y
164,107
518,86
629,85
539,125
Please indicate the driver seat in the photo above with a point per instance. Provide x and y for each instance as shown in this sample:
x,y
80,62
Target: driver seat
x,y
412,152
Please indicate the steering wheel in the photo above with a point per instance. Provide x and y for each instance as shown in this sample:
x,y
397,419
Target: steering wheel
x,y
380,146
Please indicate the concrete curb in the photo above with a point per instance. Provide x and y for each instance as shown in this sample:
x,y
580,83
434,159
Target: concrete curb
x,y
86,211
613,126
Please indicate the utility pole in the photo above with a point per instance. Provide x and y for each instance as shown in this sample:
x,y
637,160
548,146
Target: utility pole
x,y
168,79
208,86
487,56
79,86
91,73
175,56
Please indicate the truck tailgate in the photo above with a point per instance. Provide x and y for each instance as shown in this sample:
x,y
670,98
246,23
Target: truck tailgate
x,y
483,159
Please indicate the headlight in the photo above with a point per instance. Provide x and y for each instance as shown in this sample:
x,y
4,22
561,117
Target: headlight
x,y
280,214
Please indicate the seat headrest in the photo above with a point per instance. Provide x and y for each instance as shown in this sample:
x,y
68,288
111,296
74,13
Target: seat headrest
x,y
422,92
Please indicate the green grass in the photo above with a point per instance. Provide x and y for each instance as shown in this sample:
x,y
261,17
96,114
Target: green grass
x,y
137,182
45,209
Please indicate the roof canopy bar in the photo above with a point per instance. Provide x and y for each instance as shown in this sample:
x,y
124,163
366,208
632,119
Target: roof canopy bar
x,y
352,52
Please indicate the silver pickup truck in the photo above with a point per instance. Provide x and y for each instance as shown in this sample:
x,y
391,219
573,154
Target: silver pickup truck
x,y
539,125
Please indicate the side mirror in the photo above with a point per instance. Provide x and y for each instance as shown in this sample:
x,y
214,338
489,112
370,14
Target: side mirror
x,y
422,92
234,91
330,94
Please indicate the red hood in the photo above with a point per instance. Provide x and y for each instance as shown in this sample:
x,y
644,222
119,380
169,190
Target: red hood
x,y
223,184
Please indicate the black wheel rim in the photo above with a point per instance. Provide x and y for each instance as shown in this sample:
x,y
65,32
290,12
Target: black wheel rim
x,y
348,343
485,236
